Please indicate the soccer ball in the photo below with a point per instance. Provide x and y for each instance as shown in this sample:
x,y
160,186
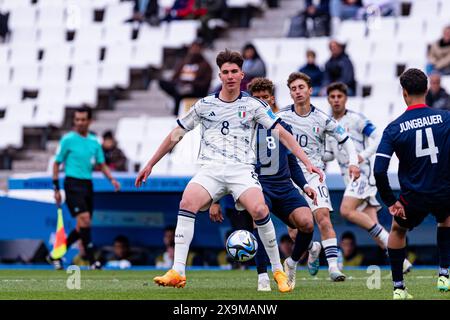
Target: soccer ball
x,y
241,245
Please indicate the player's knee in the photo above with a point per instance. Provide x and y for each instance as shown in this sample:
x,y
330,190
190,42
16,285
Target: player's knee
x,y
304,224
345,211
259,211
325,226
188,204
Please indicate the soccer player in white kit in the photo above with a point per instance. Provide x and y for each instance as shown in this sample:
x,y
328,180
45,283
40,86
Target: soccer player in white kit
x,y
310,126
228,120
359,204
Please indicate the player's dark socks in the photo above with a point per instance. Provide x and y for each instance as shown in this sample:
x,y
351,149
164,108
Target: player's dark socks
x,y
73,236
85,236
443,243
302,242
261,258
396,257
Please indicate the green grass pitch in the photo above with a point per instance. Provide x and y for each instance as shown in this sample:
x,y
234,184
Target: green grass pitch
x,y
201,285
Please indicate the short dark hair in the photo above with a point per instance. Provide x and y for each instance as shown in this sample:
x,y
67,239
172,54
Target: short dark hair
x,y
230,57
85,109
108,135
348,235
414,81
342,87
260,84
298,75
122,239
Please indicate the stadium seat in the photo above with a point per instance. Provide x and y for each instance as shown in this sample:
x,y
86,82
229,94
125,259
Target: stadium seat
x,y
118,53
181,33
4,55
23,16
351,30
26,76
408,29
118,13
424,8
57,54
268,48
52,94
53,74
23,112
48,36
10,94
50,16
120,34
5,74
113,75
382,28
320,47
445,83
86,54
89,35
23,35
79,94
14,138
23,54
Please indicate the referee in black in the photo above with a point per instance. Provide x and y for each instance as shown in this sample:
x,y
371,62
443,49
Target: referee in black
x,y
80,151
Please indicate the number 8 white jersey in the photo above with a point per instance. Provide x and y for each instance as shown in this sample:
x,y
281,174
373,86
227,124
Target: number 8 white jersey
x,y
228,129
310,132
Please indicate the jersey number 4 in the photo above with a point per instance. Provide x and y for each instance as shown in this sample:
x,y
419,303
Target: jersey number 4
x,y
431,151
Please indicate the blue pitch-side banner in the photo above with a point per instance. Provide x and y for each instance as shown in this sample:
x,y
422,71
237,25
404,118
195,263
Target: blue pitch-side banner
x,y
154,183
142,214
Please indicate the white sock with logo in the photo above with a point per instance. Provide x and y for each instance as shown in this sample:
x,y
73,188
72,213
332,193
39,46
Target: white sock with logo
x,y
184,233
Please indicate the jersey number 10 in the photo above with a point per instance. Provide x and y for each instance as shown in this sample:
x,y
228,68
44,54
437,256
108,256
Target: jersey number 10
x,y
431,151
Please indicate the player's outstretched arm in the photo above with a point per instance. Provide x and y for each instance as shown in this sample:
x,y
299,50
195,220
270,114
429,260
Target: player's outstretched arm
x,y
166,146
289,141
353,166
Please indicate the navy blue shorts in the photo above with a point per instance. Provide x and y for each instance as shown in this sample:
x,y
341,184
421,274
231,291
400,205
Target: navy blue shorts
x,y
283,200
418,206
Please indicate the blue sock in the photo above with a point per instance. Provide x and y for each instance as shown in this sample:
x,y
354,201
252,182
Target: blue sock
x,y
261,258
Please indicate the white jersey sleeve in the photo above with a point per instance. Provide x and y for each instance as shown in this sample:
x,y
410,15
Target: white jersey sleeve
x,y
192,118
265,116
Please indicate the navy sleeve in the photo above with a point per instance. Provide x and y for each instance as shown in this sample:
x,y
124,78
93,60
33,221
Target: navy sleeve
x,y
383,157
296,172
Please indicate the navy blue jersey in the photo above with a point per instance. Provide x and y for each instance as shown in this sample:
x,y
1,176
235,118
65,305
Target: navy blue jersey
x,y
420,138
276,165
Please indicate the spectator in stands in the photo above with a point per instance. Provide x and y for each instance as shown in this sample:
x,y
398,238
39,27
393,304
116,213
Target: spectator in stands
x,y
79,150
350,253
213,21
339,68
122,255
114,157
383,8
314,21
146,11
191,79
253,66
4,30
286,246
439,54
437,97
313,71
185,9
345,9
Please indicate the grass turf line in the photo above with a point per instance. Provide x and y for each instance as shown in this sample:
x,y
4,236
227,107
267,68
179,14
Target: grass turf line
x,y
209,285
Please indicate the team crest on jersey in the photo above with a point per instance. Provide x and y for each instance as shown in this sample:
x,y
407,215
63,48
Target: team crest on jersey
x,y
242,111
316,130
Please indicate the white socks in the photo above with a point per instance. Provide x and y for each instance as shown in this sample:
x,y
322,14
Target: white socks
x,y
331,252
184,233
266,232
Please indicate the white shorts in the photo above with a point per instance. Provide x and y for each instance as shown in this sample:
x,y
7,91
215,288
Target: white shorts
x,y
220,180
323,195
363,190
